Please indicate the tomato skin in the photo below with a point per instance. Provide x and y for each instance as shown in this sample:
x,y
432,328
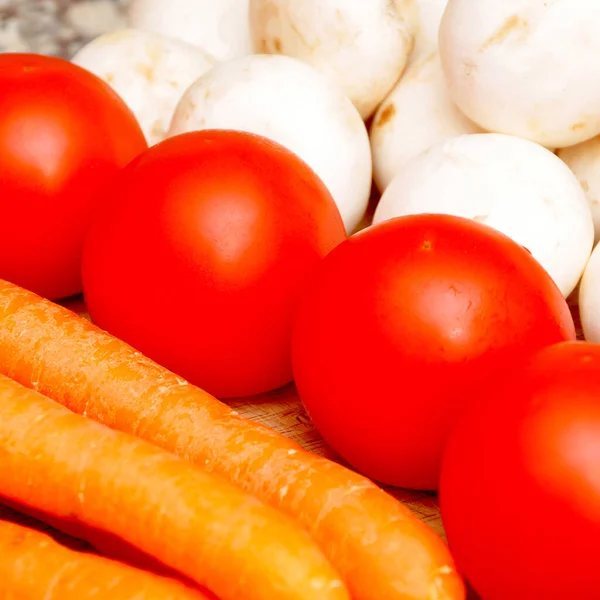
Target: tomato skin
x,y
520,485
63,134
402,320
200,265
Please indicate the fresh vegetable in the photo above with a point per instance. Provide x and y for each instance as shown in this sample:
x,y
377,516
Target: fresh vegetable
x,y
63,464
511,184
403,327
416,115
520,495
589,298
380,547
100,541
220,27
362,47
35,566
584,160
148,70
200,259
423,18
525,67
63,134
291,103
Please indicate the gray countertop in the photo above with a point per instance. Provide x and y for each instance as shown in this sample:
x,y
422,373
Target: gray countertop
x,y
56,27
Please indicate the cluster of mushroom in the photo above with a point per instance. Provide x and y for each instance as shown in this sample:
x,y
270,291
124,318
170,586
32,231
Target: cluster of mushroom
x,y
484,110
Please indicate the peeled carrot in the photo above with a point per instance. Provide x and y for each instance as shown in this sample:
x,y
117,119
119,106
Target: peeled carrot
x,y
379,546
33,565
62,464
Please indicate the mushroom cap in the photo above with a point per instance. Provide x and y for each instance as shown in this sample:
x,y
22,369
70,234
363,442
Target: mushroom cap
x,y
219,27
423,18
584,160
528,68
149,71
289,102
362,46
514,185
589,298
417,114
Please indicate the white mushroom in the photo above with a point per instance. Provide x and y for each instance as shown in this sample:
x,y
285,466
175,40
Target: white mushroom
x,y
584,160
219,27
423,18
415,116
525,67
290,102
509,183
149,71
589,298
362,46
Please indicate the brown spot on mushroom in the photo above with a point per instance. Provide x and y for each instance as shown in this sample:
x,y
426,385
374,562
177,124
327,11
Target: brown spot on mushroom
x,y
535,127
157,130
512,25
585,185
577,126
154,52
386,115
185,111
263,47
146,71
277,44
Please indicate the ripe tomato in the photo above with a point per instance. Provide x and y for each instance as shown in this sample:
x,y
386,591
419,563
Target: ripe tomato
x,y
401,320
520,484
63,134
200,262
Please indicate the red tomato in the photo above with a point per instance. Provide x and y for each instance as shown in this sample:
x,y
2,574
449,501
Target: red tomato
x,y
520,485
213,237
401,320
63,134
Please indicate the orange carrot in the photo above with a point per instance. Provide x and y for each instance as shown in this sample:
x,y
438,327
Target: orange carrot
x,y
108,544
379,546
33,565
62,464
